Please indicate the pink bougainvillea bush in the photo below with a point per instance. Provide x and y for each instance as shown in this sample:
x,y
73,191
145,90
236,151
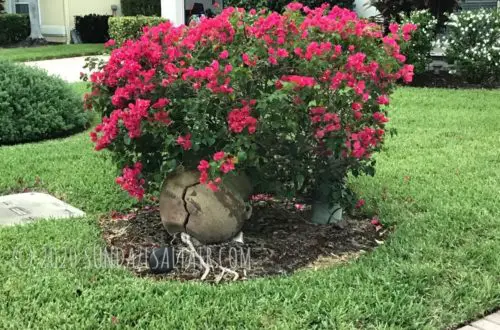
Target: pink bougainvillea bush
x,y
296,101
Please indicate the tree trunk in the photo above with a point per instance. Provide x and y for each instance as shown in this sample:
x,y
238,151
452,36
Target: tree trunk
x,y
36,31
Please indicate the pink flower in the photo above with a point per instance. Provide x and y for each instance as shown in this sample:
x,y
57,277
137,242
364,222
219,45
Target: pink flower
x,y
185,142
239,119
375,221
161,103
130,181
212,185
247,61
162,117
203,177
300,207
300,81
407,73
383,100
394,28
294,6
360,203
110,43
224,55
408,29
282,52
317,110
219,155
356,106
378,116
227,166
203,166
329,117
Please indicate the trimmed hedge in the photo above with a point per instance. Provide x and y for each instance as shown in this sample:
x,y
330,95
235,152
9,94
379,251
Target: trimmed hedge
x,y
93,28
141,7
13,28
123,28
279,5
35,106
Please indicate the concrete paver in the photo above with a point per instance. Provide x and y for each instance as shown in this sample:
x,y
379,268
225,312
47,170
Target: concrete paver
x,y
66,68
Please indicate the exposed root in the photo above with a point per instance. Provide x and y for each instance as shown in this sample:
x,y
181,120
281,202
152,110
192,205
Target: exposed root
x,y
224,271
187,240
207,266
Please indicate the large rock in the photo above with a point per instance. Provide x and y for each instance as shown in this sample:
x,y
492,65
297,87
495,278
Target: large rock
x,y
210,217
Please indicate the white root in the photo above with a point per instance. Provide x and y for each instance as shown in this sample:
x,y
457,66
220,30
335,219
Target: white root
x,y
224,271
186,239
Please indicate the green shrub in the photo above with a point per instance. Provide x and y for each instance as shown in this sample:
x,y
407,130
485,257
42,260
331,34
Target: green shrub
x,y
418,49
296,101
123,28
93,28
35,106
13,28
473,45
279,5
141,7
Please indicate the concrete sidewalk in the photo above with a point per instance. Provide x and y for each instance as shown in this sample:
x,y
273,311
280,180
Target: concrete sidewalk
x,y
66,68
490,322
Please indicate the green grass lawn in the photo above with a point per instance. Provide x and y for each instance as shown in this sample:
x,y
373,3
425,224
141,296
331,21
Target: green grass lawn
x,y
437,182
50,52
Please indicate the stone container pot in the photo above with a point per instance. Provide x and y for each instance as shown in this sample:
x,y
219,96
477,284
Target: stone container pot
x,y
323,212
210,217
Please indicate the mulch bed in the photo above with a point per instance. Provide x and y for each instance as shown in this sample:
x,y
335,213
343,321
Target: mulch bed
x,y
278,240
446,80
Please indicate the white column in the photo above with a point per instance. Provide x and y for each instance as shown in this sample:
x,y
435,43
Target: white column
x,y
364,9
173,10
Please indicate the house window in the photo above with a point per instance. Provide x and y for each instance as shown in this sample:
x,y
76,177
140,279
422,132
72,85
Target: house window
x,y
22,7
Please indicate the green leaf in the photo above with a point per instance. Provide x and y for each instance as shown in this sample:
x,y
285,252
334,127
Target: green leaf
x,y
171,164
126,140
242,156
313,103
300,181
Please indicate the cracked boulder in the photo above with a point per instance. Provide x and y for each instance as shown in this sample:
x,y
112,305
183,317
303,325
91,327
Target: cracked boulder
x,y
210,217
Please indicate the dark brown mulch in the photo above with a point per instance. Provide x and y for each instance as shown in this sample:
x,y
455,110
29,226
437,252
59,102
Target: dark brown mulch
x,y
277,240
446,80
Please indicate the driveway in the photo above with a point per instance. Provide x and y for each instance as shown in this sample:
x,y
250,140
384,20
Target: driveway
x,y
66,68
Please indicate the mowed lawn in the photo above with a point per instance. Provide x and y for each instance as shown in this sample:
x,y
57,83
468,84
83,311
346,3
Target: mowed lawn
x,y
50,52
437,184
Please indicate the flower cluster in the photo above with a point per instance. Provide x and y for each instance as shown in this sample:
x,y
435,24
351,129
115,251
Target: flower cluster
x,y
473,44
285,98
131,182
240,118
222,164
